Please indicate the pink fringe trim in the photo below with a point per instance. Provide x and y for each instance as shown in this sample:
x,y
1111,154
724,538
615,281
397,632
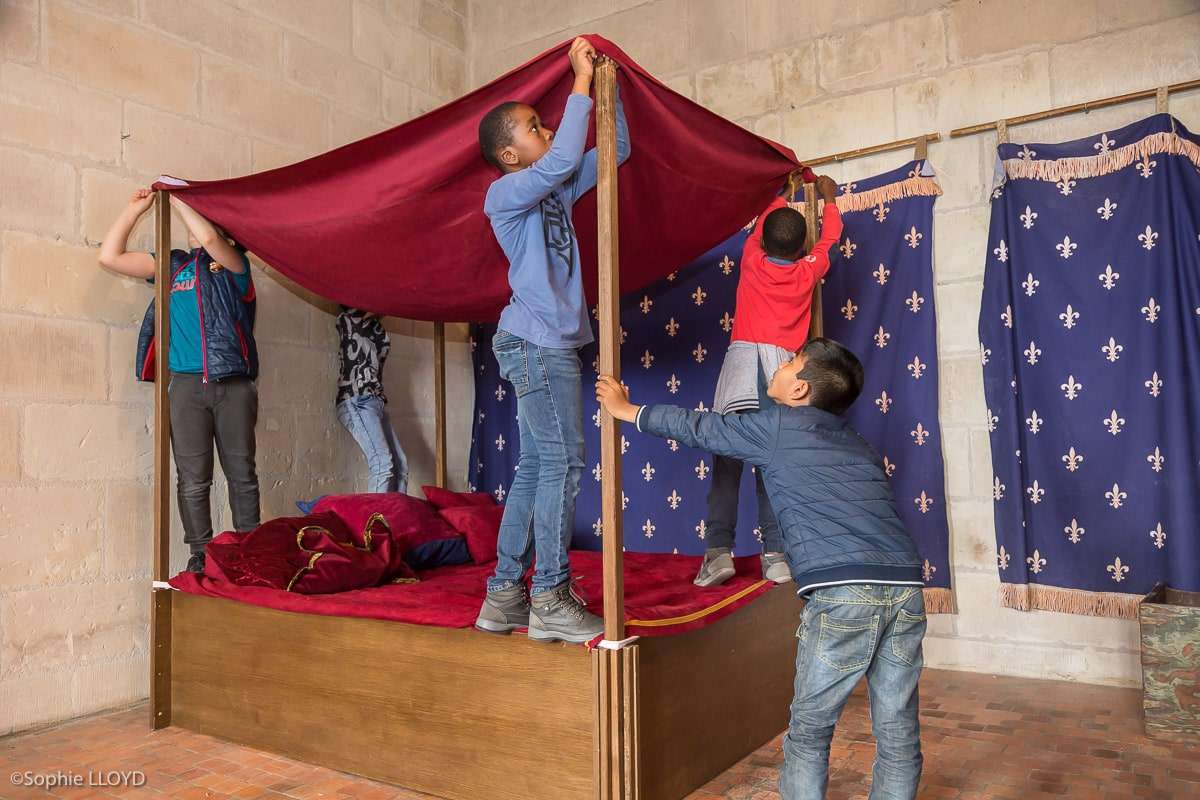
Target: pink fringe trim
x,y
939,601
915,186
1105,163
1030,596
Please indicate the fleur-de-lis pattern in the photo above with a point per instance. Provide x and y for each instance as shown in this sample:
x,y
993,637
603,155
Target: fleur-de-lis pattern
x,y
1116,314
1109,278
1030,286
1154,385
1066,248
1148,238
1112,350
673,329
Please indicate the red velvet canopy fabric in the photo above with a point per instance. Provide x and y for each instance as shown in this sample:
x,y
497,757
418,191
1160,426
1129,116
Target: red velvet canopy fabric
x,y
394,223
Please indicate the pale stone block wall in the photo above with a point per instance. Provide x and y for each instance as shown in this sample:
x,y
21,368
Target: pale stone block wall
x,y
825,77
96,98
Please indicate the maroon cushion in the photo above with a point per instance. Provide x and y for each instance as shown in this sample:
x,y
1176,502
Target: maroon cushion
x,y
480,526
412,520
444,498
316,554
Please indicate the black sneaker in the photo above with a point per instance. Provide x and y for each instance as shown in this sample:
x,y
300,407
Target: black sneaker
x,y
196,563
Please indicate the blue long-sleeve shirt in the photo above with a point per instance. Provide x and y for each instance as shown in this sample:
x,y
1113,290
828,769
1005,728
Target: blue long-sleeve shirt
x,y
530,212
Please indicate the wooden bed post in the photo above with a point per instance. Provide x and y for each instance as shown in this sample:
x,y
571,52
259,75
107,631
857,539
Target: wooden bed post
x,y
614,664
439,390
160,594
816,325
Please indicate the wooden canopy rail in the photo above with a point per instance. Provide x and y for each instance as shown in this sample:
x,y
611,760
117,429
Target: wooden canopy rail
x,y
1161,93
886,147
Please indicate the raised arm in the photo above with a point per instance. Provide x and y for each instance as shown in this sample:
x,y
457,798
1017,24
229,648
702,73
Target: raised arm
x,y
209,238
746,437
831,227
113,255
585,179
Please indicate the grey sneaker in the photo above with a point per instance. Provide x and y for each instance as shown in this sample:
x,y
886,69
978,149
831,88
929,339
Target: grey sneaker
x,y
775,568
717,567
504,611
559,615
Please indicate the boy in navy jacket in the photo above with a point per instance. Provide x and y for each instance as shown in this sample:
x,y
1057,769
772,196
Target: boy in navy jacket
x,y
846,547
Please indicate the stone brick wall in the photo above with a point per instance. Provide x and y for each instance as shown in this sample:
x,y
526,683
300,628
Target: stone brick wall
x,y
98,97
825,77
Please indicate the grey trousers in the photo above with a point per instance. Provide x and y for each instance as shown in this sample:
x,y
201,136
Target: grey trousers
x,y
221,412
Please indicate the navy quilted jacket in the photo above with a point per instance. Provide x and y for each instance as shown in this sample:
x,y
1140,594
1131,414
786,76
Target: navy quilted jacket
x,y
227,318
827,486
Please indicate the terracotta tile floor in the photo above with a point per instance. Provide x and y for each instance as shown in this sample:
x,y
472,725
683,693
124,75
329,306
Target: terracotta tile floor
x,y
984,737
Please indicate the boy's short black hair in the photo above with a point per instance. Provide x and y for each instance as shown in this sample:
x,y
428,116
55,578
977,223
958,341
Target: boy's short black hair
x,y
495,132
834,375
784,232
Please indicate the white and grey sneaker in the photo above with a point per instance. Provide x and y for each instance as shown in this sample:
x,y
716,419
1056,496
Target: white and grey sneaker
x,y
560,615
504,611
775,568
717,567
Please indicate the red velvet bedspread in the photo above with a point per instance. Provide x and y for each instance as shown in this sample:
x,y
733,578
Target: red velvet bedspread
x,y
660,598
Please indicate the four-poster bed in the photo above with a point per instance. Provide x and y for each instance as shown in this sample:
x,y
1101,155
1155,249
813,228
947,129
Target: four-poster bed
x,y
457,713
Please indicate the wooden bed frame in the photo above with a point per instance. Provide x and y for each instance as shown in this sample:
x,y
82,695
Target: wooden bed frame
x,y
457,713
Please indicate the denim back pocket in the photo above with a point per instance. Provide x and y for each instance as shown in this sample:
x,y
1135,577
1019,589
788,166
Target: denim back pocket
x,y
847,645
512,355
907,633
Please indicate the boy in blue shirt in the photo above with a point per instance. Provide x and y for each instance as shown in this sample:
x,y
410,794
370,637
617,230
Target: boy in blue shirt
x,y
848,552
540,332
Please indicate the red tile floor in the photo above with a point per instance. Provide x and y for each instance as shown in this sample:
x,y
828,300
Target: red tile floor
x,y
984,737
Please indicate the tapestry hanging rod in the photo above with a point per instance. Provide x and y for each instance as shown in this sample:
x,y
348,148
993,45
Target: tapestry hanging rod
x,y
913,141
1090,105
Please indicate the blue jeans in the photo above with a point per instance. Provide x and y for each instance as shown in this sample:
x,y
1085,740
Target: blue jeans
x,y
367,420
540,509
847,632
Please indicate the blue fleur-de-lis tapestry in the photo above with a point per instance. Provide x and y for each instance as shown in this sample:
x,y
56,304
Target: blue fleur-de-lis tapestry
x,y
878,301
1090,343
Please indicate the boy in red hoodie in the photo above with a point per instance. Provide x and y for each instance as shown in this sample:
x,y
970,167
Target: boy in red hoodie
x,y
774,305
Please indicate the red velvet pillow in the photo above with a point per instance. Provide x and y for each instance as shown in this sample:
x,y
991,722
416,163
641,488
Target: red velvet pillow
x,y
444,498
480,526
409,517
